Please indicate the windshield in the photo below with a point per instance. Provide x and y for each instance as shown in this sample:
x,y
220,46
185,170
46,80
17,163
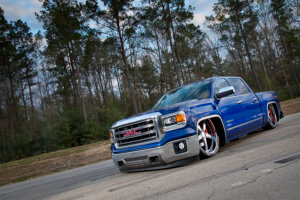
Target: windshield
x,y
198,90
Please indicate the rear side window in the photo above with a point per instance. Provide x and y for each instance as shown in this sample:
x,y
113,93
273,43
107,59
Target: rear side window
x,y
219,84
239,86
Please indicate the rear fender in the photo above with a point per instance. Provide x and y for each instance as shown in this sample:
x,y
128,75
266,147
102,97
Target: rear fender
x,y
265,99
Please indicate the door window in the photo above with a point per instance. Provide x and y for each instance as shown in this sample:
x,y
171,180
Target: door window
x,y
239,86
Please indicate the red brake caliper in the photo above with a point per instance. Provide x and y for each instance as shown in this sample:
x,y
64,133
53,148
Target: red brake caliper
x,y
206,131
212,128
271,114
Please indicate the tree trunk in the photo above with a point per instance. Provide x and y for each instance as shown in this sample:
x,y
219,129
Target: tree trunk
x,y
126,68
272,56
24,100
75,89
265,70
163,71
263,64
3,136
80,89
97,89
291,64
9,107
248,53
31,102
91,96
102,90
171,43
81,94
124,105
111,88
175,46
287,84
239,51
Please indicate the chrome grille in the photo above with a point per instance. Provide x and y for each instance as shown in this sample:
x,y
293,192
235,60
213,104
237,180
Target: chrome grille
x,y
146,132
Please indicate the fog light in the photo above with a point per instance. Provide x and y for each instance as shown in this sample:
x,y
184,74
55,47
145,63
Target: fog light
x,y
181,145
120,163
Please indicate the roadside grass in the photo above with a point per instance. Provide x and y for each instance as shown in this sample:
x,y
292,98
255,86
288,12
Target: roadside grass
x,y
290,106
24,169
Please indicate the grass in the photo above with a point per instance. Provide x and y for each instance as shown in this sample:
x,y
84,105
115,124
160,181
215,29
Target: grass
x,y
290,106
24,169
21,170
48,155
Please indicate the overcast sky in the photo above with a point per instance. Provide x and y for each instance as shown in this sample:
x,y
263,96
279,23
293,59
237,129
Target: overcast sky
x,y
25,9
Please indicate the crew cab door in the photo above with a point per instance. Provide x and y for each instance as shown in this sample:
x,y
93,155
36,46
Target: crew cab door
x,y
230,107
250,103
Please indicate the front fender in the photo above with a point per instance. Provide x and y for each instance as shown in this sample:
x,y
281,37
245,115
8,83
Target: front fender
x,y
201,111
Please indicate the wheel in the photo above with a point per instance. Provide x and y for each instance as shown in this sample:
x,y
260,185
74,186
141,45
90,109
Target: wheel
x,y
208,138
272,117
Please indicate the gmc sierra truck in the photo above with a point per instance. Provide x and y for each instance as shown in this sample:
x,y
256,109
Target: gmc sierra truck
x,y
191,121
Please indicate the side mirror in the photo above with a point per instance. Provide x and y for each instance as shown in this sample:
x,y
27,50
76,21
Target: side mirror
x,y
223,92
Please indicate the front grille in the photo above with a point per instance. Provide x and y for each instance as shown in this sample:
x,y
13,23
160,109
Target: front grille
x,y
146,132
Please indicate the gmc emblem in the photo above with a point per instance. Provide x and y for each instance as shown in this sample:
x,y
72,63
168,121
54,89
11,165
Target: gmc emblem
x,y
131,132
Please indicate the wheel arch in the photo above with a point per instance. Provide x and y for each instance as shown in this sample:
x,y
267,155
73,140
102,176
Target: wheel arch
x,y
219,125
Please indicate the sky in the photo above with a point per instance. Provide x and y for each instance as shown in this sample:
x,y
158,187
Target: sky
x,y
25,9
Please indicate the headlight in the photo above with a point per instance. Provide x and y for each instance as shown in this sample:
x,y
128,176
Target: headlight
x,y
111,135
174,121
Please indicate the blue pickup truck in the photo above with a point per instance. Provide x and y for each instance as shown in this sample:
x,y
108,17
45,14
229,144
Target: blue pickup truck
x,y
192,120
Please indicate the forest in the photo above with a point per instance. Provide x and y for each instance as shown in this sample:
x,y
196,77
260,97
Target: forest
x,y
96,62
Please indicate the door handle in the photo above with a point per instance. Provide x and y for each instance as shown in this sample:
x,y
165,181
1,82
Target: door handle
x,y
239,102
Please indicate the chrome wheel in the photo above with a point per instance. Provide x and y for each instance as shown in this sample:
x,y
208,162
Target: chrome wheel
x,y
272,118
208,138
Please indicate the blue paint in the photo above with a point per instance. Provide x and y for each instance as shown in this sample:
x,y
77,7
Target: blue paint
x,y
238,118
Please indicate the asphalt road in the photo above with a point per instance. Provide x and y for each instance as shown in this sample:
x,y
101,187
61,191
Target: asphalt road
x,y
262,165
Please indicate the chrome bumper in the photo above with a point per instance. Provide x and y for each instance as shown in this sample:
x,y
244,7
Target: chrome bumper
x,y
156,156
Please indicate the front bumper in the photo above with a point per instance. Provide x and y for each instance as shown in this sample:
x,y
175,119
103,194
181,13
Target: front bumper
x,y
158,156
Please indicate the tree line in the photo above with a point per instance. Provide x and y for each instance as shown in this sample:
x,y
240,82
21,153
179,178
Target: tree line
x,y
95,63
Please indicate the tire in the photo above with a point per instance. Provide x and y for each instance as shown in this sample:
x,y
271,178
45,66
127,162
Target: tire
x,y
272,117
208,138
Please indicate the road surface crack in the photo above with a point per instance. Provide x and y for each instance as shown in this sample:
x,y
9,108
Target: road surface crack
x,y
211,194
258,177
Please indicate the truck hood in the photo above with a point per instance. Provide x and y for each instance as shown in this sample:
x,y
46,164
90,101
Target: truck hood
x,y
163,111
